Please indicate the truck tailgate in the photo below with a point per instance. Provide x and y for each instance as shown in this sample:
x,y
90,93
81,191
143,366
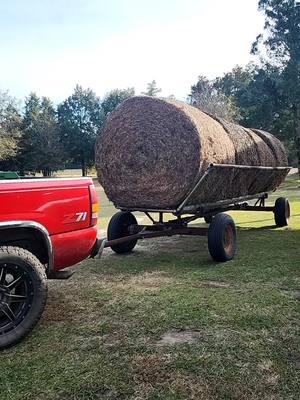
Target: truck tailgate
x,y
61,205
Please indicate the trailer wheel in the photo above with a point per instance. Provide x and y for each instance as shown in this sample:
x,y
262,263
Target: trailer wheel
x,y
23,294
208,219
118,228
222,238
282,211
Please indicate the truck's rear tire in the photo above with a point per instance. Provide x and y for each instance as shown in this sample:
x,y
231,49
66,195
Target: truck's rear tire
x,y
282,211
23,294
118,228
222,238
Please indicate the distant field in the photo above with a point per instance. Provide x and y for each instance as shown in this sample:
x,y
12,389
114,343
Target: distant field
x,y
166,322
73,172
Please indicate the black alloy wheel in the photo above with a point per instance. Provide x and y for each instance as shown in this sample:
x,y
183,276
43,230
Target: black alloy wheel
x,y
23,294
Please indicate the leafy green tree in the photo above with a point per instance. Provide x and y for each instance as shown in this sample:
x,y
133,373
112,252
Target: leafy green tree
x,y
208,98
281,40
10,124
257,93
114,98
236,82
80,117
40,148
152,89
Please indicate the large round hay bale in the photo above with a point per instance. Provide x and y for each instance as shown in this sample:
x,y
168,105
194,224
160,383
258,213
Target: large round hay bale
x,y
245,152
275,145
250,148
265,155
151,152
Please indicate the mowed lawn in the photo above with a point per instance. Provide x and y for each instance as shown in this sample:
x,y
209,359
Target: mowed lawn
x,y
166,322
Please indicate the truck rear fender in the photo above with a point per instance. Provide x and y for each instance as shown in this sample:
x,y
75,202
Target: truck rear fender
x,y
30,235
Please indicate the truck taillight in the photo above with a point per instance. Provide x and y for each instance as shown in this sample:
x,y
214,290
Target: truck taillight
x,y
94,205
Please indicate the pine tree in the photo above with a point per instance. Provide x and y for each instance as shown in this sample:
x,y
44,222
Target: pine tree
x,y
80,117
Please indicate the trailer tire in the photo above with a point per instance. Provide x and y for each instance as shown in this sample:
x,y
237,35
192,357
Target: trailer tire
x,y
208,219
118,228
222,238
23,294
282,211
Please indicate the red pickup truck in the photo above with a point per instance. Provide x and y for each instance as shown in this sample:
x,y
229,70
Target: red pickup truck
x,y
46,225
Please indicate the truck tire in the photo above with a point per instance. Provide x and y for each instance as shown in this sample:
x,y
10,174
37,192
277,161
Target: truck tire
x,y
222,238
23,294
118,228
282,211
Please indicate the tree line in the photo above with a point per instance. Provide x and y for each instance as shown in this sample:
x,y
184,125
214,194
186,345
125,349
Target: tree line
x,y
44,138
265,95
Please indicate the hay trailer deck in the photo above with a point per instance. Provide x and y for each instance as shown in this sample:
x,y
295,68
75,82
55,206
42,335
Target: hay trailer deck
x,y
208,199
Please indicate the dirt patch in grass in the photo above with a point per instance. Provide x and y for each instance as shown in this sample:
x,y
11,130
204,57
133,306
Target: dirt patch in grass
x,y
176,385
190,386
212,284
67,302
146,281
149,369
61,308
174,244
154,377
154,246
179,337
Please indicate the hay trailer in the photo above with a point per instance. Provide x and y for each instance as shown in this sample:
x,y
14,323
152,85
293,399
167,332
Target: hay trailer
x,y
208,199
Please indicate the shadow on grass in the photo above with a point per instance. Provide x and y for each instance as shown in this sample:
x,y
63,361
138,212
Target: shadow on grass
x,y
265,252
261,220
259,228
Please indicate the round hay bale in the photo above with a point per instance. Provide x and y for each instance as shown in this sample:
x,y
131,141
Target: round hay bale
x,y
246,151
151,153
275,145
216,144
265,154
250,148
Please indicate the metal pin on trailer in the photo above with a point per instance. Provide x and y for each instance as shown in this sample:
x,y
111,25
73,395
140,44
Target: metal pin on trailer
x,y
124,231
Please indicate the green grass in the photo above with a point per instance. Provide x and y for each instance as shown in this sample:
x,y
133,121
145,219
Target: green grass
x,y
100,337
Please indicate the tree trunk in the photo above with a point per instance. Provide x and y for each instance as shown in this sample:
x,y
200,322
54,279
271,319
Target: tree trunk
x,y
83,167
46,172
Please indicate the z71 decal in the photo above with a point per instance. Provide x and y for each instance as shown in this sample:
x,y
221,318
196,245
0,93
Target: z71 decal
x,y
77,217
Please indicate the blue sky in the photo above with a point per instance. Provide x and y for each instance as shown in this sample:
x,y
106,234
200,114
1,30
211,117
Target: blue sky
x,y
50,46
